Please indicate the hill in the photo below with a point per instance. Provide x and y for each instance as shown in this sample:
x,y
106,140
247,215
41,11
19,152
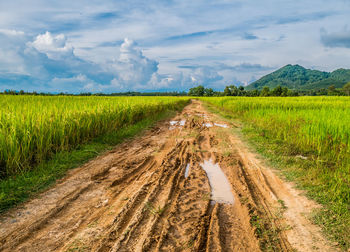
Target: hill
x,y
299,78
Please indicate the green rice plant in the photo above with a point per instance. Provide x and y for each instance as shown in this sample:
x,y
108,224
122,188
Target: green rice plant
x,y
33,128
308,138
317,127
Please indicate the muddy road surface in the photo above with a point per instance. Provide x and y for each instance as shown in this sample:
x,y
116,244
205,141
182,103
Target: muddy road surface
x,y
189,184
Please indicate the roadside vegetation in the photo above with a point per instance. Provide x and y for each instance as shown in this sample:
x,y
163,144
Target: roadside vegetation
x,y
266,91
309,139
42,137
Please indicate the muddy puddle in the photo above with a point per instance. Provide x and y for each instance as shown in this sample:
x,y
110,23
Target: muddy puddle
x,y
175,124
220,186
221,125
187,170
202,115
208,125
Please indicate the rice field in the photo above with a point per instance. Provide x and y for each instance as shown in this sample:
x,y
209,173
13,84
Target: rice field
x,y
316,128
32,128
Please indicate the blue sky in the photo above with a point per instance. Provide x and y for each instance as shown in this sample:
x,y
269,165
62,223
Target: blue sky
x,y
112,46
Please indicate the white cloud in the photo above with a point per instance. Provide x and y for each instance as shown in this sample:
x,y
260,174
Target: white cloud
x,y
55,47
205,75
132,68
11,32
51,64
80,83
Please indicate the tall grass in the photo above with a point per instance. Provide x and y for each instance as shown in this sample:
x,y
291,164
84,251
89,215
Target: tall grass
x,y
32,128
317,127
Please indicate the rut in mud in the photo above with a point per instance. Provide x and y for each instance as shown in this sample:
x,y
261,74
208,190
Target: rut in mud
x,y
158,193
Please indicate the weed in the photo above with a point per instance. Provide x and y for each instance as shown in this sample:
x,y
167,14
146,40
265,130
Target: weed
x,y
155,210
92,224
206,196
77,246
282,204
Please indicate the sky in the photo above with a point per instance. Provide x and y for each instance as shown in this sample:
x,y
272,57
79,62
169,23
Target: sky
x,y
117,46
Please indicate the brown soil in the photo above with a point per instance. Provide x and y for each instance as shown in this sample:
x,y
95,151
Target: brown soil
x,y
136,198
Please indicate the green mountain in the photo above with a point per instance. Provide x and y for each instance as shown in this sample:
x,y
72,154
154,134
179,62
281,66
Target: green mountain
x,y
300,78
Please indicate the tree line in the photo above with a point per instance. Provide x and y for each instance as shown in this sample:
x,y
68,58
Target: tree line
x,y
200,90
233,90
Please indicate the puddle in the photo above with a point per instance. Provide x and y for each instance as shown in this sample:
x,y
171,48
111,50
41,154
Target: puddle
x,y
220,186
208,125
187,171
202,115
174,124
221,125
301,157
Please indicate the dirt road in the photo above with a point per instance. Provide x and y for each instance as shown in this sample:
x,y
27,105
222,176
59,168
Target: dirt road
x,y
165,191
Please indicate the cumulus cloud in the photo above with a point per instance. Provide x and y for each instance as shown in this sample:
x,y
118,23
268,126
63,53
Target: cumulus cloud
x,y
132,68
205,75
55,47
175,81
336,39
182,80
42,63
47,63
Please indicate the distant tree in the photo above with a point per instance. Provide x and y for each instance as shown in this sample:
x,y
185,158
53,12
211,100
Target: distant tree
x,y
208,92
312,92
277,91
332,90
196,91
255,92
292,93
284,91
346,88
232,90
85,94
322,91
241,91
265,91
218,93
227,91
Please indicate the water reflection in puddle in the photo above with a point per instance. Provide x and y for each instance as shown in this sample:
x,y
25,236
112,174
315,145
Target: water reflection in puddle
x,y
221,125
187,171
202,115
174,124
220,186
208,125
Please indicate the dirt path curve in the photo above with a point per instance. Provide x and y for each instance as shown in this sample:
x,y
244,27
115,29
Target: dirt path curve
x,y
152,194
